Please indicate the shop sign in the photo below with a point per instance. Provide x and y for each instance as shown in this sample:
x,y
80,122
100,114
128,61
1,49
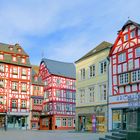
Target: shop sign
x,y
124,97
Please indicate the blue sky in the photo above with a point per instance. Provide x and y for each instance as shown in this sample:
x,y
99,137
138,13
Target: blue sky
x,y
63,30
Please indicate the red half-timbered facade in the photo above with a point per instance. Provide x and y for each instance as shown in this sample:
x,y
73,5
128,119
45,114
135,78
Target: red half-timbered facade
x,y
125,78
15,70
36,99
59,95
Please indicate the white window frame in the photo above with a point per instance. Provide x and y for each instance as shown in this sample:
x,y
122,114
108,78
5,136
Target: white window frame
x,y
135,76
23,86
14,86
123,78
1,56
103,67
91,94
82,74
14,103
122,57
1,83
24,72
82,95
23,103
126,37
64,122
103,92
92,71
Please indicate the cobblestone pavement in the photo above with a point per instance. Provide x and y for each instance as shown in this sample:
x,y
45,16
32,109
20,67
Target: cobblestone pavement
x,y
47,135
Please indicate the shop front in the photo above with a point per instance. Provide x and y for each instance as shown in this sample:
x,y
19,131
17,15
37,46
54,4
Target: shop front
x,y
18,122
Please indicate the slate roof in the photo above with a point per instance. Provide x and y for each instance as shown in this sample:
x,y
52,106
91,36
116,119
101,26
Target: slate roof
x,y
35,73
5,49
103,45
60,68
129,22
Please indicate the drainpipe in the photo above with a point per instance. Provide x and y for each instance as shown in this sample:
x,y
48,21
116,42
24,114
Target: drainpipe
x,y
108,69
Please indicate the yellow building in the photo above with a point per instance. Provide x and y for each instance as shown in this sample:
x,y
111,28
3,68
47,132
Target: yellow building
x,y
92,89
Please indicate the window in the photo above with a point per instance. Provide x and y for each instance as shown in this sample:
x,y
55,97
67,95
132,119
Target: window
x,y
67,94
46,83
126,37
137,52
122,57
1,56
103,67
58,106
64,122
15,70
123,78
1,68
1,100
24,72
91,92
82,74
103,92
58,93
58,81
1,83
14,86
23,103
14,58
92,71
58,122
22,60
132,34
82,95
14,103
70,120
46,95
23,87
138,32
67,107
135,76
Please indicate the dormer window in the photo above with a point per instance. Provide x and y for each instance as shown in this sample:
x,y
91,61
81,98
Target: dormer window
x,y
19,49
1,68
35,78
11,48
122,57
132,34
22,60
1,56
14,58
125,37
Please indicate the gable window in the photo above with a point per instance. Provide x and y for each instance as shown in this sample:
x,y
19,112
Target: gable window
x,y
1,83
137,52
14,103
91,92
1,68
1,56
124,78
132,34
24,72
103,67
103,92
92,71
22,60
23,103
23,87
14,86
126,37
82,74
15,70
122,57
14,58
